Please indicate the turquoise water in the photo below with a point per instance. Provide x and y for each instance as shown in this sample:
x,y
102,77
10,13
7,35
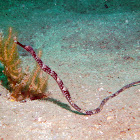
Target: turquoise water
x,y
79,37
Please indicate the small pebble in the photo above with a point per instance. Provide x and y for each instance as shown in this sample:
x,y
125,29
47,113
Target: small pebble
x,y
40,119
86,118
110,117
100,89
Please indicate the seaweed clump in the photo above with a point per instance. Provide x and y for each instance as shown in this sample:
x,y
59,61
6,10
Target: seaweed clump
x,y
23,84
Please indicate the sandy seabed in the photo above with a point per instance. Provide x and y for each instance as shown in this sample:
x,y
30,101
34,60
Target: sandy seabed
x,y
94,56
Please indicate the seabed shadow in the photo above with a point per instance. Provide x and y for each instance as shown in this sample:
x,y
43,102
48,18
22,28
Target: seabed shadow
x,y
62,105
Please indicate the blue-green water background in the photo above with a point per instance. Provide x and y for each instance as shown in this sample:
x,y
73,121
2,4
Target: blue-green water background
x,y
77,35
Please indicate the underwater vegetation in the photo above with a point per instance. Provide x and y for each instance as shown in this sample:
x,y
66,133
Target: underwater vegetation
x,y
3,78
22,84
